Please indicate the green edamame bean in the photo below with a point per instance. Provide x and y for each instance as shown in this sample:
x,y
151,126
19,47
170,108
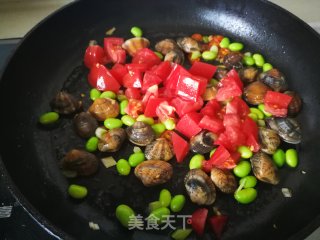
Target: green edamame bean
x,y
49,118
123,167
165,198
208,55
214,82
154,205
196,161
253,116
248,181
246,195
147,120
259,60
92,144
169,124
159,54
247,54
245,152
266,67
279,157
158,128
261,108
94,94
242,169
123,214
236,46
214,49
181,234
136,31
108,94
195,55
112,123
123,104
77,191
248,60
136,158
261,123
177,203
292,158
205,39
121,97
128,120
160,213
225,42
257,111
212,152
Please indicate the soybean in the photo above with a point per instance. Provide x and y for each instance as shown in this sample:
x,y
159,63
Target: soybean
x,y
205,39
266,67
236,47
248,181
196,161
123,105
165,198
136,158
224,42
245,152
112,123
123,214
154,205
291,158
209,55
136,31
147,120
279,157
128,120
92,144
257,111
253,116
248,60
169,124
261,108
123,167
212,152
258,58
94,94
195,55
242,169
158,128
246,195
108,94
77,191
160,213
181,234
159,54
177,203
49,118
121,97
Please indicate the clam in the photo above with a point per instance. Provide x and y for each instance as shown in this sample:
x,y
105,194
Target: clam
x,y
84,124
288,129
166,45
233,60
160,149
175,55
103,108
295,104
264,169
224,180
112,140
140,133
133,45
153,172
254,93
248,74
188,44
65,103
274,79
202,142
269,140
221,72
200,187
81,162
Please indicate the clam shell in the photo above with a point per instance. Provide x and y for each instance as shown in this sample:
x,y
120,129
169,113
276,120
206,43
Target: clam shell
x,y
264,169
224,180
295,105
233,60
112,140
140,133
133,45
200,187
103,108
202,142
175,55
254,93
65,103
248,74
166,45
269,139
160,149
188,44
85,124
274,79
153,172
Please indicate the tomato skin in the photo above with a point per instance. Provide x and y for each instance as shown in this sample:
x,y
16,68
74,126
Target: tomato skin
x,y
142,67
188,87
183,107
118,71
180,147
222,159
230,86
146,56
133,79
213,124
134,108
277,103
203,69
218,223
173,78
100,77
238,106
165,111
151,106
198,220
212,108
94,54
162,70
188,124
113,49
133,93
150,79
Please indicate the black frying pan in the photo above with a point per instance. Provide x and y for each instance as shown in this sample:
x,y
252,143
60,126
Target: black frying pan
x,y
49,54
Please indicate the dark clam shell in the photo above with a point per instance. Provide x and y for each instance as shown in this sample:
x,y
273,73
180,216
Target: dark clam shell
x,y
254,93
166,45
176,55
224,180
295,105
112,140
274,79
202,142
140,133
85,124
188,44
269,140
233,60
65,103
160,149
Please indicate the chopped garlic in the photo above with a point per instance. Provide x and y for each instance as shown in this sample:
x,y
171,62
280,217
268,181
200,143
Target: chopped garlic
x,y
94,226
110,31
108,162
136,149
286,192
303,172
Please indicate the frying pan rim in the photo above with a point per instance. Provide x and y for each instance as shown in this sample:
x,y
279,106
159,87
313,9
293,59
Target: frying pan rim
x,y
41,220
